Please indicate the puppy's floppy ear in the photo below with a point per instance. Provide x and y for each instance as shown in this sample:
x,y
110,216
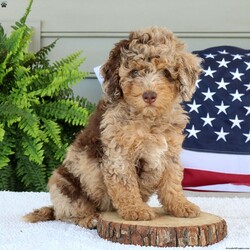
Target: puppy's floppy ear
x,y
188,69
110,71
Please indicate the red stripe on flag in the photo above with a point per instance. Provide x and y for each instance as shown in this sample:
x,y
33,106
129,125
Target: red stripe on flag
x,y
195,178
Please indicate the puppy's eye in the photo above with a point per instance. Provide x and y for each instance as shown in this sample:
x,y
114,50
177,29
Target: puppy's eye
x,y
168,75
134,73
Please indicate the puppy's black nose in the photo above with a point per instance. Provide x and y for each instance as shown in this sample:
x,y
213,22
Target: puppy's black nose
x,y
149,97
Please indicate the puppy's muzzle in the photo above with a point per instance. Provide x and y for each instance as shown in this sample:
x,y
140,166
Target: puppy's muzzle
x,y
149,97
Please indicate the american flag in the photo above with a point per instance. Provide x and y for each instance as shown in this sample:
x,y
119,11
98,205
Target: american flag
x,y
216,151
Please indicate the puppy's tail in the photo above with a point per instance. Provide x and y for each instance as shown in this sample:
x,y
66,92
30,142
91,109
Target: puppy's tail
x,y
41,214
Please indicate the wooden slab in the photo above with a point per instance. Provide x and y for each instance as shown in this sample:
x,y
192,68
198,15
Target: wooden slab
x,y
164,231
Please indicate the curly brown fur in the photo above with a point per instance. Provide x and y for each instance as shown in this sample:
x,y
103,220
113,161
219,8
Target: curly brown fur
x,y
130,148
90,136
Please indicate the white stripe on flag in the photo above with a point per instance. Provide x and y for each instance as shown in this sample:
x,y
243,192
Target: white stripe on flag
x,y
222,163
221,188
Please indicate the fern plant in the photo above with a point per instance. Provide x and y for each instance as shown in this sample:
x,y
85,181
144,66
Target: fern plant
x,y
39,114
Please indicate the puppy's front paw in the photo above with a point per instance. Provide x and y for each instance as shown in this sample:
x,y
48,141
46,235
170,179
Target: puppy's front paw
x,y
186,209
133,213
89,222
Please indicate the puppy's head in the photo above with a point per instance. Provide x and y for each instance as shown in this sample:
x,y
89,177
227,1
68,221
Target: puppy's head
x,y
150,70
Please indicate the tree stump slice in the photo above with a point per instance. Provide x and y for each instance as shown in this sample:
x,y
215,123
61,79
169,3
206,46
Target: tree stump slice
x,y
163,231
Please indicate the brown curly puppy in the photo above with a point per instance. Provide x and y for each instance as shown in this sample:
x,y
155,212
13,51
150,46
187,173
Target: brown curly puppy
x,y
130,148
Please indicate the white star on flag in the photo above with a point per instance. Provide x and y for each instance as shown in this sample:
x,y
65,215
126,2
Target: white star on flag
x,y
224,52
194,107
209,72
248,137
248,65
207,120
237,74
193,132
221,135
248,86
222,108
223,63
210,55
197,83
208,95
222,84
237,96
248,110
237,56
236,122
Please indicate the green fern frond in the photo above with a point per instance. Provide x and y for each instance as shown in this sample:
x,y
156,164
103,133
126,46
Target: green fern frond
x,y
32,176
66,110
26,120
73,58
20,98
29,124
52,129
27,11
9,113
53,161
2,131
33,149
6,149
43,52
20,38
4,157
84,103
40,60
20,73
39,82
3,68
23,19
3,37
20,94
67,73
7,178
61,80
60,152
76,115
13,43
